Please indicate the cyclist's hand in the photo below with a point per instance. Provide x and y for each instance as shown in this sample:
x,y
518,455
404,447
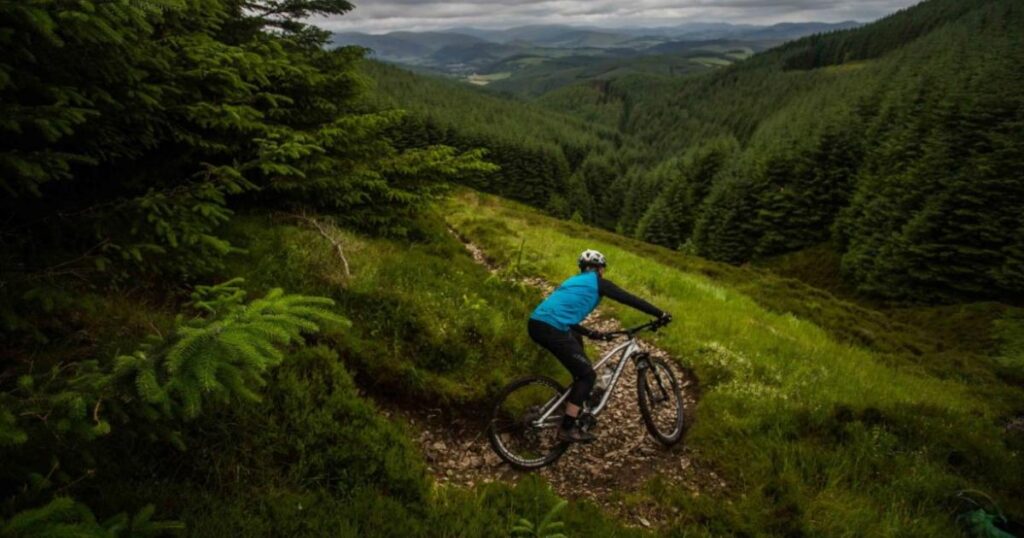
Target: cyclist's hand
x,y
607,337
665,319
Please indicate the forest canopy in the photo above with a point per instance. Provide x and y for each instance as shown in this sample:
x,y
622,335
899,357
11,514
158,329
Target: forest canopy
x,y
898,143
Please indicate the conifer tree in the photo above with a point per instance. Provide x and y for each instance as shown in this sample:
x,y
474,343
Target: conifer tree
x,y
131,132
671,218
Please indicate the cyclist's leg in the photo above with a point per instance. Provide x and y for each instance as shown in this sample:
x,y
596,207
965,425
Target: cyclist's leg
x,y
568,349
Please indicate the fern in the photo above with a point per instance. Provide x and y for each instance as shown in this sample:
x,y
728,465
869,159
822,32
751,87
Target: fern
x,y
10,434
547,527
222,355
65,517
982,518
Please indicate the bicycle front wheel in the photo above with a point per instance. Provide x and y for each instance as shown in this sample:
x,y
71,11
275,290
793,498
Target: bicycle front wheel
x,y
661,401
514,430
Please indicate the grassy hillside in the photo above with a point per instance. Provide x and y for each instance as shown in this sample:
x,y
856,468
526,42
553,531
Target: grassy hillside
x,y
817,434
819,415
314,454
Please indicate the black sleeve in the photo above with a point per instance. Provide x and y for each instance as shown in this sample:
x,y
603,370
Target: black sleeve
x,y
580,329
607,289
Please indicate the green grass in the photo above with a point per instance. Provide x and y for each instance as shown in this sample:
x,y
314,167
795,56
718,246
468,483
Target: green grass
x,y
825,417
316,456
847,67
711,61
739,53
483,80
816,434
429,324
817,266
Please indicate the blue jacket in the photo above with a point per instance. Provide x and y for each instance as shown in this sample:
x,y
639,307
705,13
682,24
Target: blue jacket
x,y
571,303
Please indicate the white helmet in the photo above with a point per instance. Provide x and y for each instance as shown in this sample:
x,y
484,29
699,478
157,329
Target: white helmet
x,y
591,258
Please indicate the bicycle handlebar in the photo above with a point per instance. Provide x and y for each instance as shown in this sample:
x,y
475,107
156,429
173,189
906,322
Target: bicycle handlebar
x,y
653,325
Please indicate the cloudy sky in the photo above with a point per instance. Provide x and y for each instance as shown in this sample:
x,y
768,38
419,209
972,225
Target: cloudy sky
x,y
385,15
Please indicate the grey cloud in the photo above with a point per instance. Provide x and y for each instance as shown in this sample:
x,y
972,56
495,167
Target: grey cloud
x,y
389,15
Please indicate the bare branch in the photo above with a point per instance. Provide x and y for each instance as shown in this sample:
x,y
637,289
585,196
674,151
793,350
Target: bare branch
x,y
323,231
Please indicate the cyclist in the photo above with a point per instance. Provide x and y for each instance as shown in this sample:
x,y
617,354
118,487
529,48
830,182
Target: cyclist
x,y
555,325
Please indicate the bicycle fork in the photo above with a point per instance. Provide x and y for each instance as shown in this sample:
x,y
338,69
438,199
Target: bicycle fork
x,y
642,365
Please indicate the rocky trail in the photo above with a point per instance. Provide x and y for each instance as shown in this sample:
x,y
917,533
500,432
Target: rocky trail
x,y
622,459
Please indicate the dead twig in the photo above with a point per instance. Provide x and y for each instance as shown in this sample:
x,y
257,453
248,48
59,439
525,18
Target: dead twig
x,y
323,231
96,411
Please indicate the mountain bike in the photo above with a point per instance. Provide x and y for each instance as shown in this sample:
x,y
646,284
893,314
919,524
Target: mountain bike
x,y
523,427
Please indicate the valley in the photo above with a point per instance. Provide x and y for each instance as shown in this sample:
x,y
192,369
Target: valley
x,y
526,60
796,146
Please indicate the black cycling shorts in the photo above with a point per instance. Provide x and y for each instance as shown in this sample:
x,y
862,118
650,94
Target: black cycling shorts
x,y
567,347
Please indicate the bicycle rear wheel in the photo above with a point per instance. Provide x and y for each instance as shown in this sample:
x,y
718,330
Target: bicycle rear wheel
x,y
512,430
660,399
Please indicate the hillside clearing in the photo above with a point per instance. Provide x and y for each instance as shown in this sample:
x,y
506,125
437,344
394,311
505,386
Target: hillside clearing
x,y
813,435
608,471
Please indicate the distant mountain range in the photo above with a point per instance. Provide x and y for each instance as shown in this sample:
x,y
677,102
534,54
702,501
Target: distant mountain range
x,y
563,35
400,45
480,53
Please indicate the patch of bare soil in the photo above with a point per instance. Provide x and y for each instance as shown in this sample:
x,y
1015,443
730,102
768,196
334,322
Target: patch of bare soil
x,y
622,459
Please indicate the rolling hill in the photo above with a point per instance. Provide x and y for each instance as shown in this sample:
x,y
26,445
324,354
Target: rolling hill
x,y
468,51
406,46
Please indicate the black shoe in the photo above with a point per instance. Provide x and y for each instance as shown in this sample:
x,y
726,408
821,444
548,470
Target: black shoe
x,y
575,435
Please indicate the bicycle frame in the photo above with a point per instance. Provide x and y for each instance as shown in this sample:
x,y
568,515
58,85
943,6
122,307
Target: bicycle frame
x,y
627,350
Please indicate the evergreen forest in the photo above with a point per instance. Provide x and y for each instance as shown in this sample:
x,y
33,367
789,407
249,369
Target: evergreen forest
x,y
899,144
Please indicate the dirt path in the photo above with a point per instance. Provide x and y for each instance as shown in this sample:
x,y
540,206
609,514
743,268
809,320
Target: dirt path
x,y
620,462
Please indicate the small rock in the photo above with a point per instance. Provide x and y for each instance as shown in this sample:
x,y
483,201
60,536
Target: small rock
x,y
438,446
644,522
